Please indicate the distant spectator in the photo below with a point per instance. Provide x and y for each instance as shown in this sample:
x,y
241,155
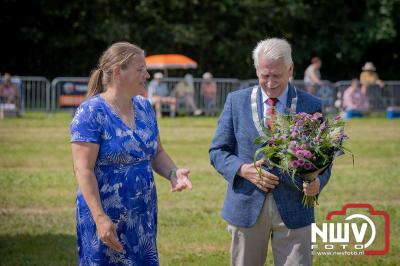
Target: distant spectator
x,y
184,93
355,98
158,95
312,75
209,92
8,90
369,77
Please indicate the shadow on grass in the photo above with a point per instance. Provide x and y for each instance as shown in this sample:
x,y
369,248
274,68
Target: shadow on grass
x,y
47,249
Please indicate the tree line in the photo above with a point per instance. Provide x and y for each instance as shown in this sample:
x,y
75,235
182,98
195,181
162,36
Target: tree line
x,y
65,38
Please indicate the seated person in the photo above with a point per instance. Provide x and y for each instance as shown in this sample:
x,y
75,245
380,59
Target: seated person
x,y
209,92
158,95
8,90
355,98
184,93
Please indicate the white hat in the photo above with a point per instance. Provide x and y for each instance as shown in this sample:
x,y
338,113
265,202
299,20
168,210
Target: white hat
x,y
207,75
369,66
158,75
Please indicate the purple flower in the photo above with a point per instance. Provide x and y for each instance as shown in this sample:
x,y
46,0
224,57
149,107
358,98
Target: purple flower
x,y
293,145
303,153
299,153
323,126
303,114
317,116
294,164
294,129
300,162
307,154
308,166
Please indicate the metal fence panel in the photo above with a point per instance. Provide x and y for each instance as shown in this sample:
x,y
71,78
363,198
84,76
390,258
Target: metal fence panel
x,y
35,94
38,94
224,87
67,86
379,98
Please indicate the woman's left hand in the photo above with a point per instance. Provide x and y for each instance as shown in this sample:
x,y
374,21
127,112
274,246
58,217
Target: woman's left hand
x,y
181,180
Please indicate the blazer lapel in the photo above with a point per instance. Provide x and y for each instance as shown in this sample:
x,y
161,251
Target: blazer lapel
x,y
260,105
290,95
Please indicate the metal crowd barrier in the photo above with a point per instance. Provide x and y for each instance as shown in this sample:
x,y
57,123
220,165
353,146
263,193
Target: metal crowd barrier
x,y
38,94
68,92
224,87
379,98
35,94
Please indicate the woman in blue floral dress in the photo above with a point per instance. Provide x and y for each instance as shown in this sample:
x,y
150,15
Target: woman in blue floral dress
x,y
115,147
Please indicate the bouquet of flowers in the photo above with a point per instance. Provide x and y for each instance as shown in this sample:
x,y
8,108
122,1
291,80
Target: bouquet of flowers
x,y
302,144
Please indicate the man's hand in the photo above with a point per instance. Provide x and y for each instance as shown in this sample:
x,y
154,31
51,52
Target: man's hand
x,y
265,182
312,188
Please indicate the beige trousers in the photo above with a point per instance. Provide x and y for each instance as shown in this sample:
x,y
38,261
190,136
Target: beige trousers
x,y
249,246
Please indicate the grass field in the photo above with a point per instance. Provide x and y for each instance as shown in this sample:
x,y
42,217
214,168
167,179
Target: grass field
x,y
37,192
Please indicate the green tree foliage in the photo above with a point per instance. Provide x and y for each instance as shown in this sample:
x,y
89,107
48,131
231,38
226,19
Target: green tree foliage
x,y
56,38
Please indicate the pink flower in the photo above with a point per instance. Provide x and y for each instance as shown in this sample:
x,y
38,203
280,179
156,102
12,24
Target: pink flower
x,y
317,115
294,164
300,162
308,166
292,145
303,153
307,154
299,153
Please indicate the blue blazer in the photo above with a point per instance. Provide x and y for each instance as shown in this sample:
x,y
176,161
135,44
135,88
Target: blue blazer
x,y
233,145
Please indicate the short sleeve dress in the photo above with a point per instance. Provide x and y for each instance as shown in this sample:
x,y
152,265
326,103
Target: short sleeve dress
x,y
125,181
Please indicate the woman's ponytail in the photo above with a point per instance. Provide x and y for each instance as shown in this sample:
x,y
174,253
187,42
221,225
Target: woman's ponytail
x,y
95,85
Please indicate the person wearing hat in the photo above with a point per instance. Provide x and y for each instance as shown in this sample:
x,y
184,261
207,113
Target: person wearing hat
x,y
158,95
369,77
209,92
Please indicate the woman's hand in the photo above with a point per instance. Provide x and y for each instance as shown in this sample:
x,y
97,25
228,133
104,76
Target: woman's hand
x,y
181,181
107,232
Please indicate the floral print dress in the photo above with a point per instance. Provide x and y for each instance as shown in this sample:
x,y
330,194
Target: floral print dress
x,y
125,181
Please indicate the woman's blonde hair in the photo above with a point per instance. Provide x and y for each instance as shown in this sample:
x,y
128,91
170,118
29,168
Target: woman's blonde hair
x,y
119,54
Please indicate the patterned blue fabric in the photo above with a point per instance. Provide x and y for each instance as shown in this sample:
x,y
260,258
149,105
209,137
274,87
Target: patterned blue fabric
x,y
125,180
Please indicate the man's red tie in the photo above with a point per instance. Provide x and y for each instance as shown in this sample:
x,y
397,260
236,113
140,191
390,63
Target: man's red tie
x,y
271,112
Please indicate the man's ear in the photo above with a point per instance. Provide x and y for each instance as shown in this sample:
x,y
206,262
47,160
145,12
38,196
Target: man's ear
x,y
291,71
257,72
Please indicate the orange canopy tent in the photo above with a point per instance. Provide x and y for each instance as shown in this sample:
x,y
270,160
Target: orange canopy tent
x,y
170,61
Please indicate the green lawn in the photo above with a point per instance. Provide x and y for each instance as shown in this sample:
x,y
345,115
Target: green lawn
x,y
37,191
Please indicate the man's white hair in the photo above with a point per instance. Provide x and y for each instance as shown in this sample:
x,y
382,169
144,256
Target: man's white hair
x,y
273,48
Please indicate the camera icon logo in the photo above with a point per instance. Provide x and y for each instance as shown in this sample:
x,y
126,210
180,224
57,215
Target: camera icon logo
x,y
357,232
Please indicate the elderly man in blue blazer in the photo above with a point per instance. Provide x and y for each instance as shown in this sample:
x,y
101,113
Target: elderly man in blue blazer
x,y
260,208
